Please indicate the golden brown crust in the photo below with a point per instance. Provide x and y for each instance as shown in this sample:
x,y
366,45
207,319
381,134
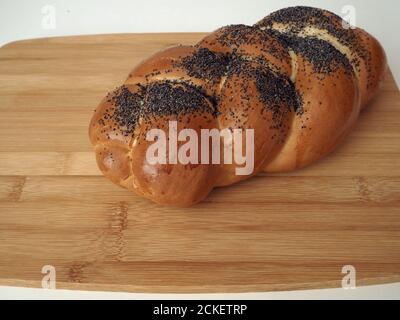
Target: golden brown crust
x,y
362,50
164,66
173,184
242,107
297,78
330,108
370,80
251,43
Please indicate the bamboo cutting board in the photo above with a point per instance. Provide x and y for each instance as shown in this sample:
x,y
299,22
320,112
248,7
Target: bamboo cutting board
x,y
272,232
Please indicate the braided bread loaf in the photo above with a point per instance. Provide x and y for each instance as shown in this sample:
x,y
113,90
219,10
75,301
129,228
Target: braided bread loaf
x,y
298,77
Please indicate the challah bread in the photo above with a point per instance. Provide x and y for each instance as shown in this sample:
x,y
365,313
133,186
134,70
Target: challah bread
x,y
298,78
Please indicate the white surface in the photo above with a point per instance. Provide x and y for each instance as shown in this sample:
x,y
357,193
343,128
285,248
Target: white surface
x,y
24,19
389,291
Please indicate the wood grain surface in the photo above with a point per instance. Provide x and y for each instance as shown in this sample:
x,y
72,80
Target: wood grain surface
x,y
272,232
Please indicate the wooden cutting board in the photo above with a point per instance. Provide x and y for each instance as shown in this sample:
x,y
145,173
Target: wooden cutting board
x,y
272,232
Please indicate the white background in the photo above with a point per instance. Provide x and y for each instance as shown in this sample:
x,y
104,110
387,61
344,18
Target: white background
x,y
21,19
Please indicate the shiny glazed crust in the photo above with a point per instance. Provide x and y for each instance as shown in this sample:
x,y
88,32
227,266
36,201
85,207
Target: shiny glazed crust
x,y
297,77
